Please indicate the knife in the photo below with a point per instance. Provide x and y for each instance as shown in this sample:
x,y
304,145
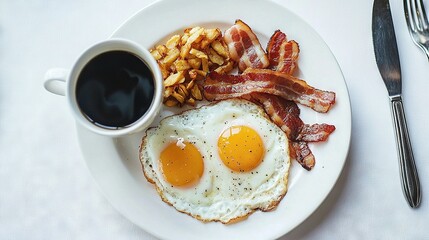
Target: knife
x,y
387,58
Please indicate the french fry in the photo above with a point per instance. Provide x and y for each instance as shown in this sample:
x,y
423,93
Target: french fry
x,y
184,39
215,58
196,35
172,55
181,65
171,102
168,91
178,97
193,74
201,73
190,85
173,42
195,63
173,79
196,93
205,64
220,48
212,34
155,54
225,68
162,49
182,90
190,101
164,70
197,53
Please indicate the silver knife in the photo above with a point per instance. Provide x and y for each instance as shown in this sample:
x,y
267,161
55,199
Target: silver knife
x,y
387,58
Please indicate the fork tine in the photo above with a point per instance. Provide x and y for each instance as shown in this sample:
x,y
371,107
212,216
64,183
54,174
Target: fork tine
x,y
423,18
416,18
409,15
417,15
417,22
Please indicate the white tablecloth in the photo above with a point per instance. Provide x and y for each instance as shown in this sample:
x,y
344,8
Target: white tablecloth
x,y
46,191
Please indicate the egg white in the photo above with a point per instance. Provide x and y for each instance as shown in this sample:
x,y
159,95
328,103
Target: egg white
x,y
221,194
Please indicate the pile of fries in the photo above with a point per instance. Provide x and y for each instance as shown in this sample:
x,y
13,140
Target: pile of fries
x,y
186,59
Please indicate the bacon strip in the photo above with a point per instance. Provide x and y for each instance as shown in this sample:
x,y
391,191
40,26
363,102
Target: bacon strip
x,y
282,112
223,86
244,47
315,132
303,155
282,54
285,114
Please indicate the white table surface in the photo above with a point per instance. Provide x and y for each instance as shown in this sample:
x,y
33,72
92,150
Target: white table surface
x,y
46,191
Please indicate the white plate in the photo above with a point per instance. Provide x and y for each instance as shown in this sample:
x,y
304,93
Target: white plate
x,y
115,165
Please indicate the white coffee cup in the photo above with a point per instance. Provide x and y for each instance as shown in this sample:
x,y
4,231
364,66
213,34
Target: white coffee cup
x,y
63,82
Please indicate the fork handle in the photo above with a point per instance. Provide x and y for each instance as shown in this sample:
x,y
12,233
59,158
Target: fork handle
x,y
409,177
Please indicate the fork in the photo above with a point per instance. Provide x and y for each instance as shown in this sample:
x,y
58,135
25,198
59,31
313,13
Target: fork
x,y
418,24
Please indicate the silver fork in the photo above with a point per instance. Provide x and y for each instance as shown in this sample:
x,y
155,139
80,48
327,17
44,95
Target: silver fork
x,y
417,22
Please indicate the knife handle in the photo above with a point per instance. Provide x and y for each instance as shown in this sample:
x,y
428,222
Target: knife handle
x,y
409,177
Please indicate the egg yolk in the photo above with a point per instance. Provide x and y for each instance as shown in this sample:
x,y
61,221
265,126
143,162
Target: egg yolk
x,y
241,148
181,165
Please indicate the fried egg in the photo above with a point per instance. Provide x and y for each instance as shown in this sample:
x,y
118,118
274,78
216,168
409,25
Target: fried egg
x,y
220,162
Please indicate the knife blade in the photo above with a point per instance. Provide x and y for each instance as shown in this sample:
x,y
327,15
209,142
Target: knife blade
x,y
387,59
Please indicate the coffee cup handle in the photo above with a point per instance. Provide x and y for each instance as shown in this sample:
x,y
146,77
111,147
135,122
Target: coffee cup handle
x,y
55,80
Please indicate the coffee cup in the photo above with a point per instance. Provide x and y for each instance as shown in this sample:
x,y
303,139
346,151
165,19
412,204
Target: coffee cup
x,y
114,88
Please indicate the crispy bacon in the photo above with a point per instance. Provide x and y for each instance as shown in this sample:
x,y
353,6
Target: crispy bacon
x,y
285,114
303,155
282,54
315,132
223,86
282,112
244,47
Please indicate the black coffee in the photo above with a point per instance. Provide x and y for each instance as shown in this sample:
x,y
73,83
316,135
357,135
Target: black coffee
x,y
115,89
